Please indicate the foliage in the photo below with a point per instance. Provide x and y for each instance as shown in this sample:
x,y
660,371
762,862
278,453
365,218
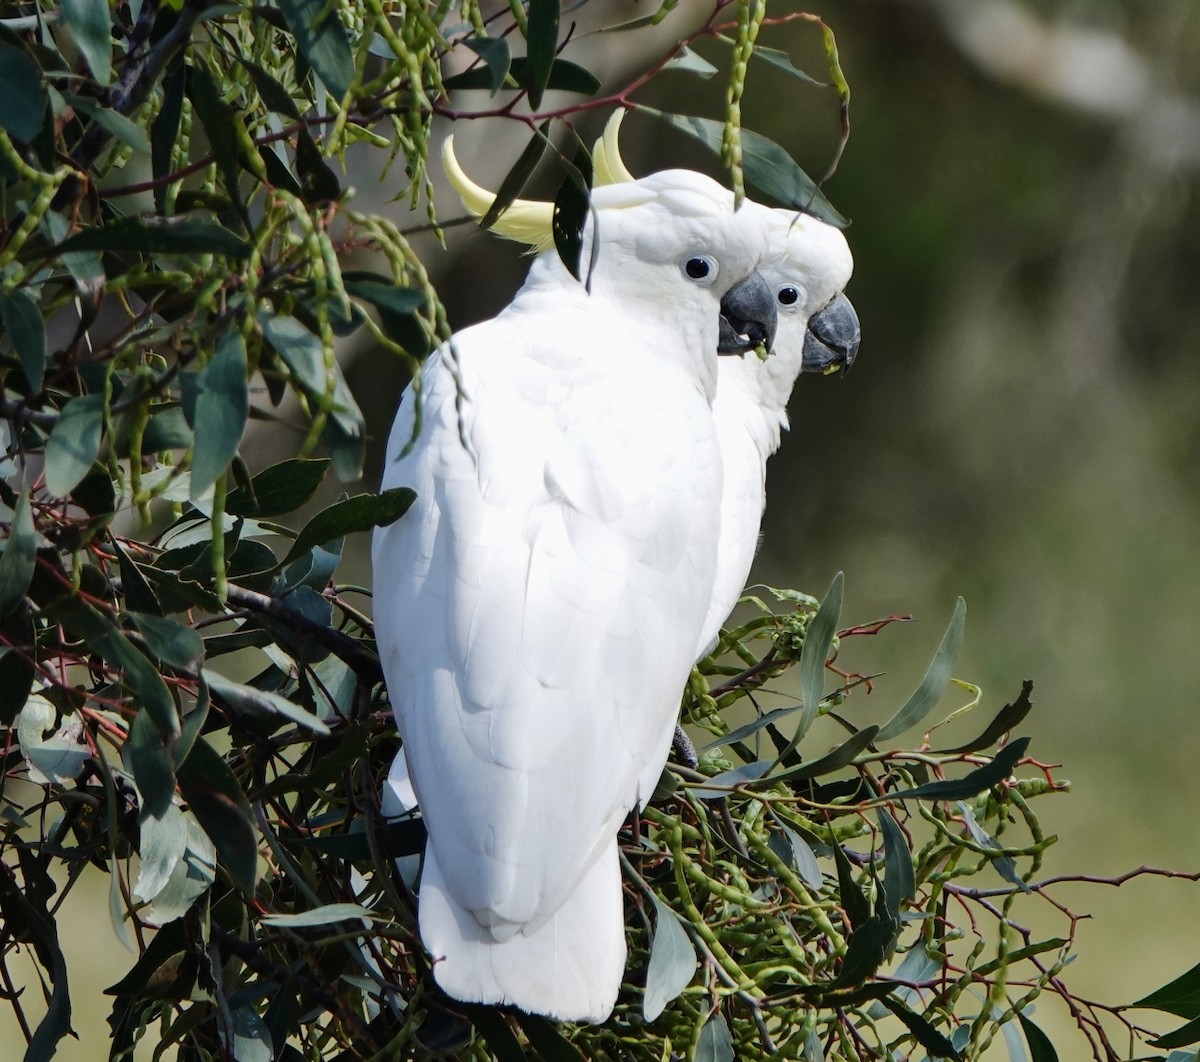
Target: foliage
x,y
171,265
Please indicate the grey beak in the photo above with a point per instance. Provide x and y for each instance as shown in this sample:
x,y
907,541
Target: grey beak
x,y
748,316
831,342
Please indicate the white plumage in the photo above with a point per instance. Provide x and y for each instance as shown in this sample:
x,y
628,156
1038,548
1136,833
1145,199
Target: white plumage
x,y
537,609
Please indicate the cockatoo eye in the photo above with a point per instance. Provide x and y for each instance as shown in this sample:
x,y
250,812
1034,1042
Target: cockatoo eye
x,y
701,268
788,296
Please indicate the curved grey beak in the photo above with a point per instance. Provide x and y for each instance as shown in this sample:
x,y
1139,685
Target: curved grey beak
x,y
831,342
748,317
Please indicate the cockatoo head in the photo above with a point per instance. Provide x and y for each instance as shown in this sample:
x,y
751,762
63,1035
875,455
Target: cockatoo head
x,y
807,267
672,239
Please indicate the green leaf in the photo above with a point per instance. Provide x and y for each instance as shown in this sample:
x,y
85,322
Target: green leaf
x,y
842,756
190,879
495,54
768,166
716,1042
16,680
923,1032
397,307
541,43
1005,865
516,178
162,842
692,63
148,759
854,900
1040,1047
220,806
500,1039
865,951
783,61
19,558
262,702
280,489
937,677
221,127
164,131
101,635
174,644
185,234
23,323
1006,719
747,772
124,129
222,405
351,515
24,95
976,782
90,22
321,916
251,1037
274,96
1180,997
41,931
818,642
300,350
74,444
572,205
672,962
318,182
800,855
899,882
321,39
1181,1037
564,76
547,1041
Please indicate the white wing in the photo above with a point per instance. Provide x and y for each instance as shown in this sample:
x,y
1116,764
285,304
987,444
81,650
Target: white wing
x,y
537,610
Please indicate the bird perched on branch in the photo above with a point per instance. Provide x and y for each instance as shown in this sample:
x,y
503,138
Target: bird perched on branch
x,y
538,607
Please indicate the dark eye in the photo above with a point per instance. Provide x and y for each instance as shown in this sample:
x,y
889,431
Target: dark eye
x,y
788,296
700,267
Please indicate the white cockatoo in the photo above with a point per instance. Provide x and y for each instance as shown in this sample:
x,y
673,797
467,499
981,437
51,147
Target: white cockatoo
x,y
537,608
807,265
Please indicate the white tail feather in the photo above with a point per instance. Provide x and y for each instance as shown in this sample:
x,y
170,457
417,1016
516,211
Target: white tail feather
x,y
568,968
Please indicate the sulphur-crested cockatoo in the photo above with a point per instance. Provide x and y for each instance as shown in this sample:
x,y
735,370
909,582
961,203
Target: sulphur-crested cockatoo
x,y
537,608
807,266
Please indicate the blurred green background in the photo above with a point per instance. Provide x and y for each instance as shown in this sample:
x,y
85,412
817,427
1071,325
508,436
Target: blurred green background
x,y
1021,427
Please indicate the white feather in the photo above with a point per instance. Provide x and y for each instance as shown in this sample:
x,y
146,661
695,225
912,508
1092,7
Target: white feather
x,y
538,607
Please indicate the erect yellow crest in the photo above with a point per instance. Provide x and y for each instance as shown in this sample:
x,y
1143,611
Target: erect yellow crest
x,y
526,221
607,165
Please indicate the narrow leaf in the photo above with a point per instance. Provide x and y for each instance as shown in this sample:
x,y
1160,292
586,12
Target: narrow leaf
x,y
90,22
692,63
923,1032
217,801
361,513
24,95
672,962
1040,1047
262,702
321,39
976,782
1180,997
842,756
172,643
23,323
274,96
541,43
1006,719
571,207
514,180
768,166
937,677
184,234
321,916
148,759
716,1041
783,61
854,900
899,882
280,489
1005,865
74,444
164,131
547,1041
19,557
1181,1037
496,57
221,126
564,75
222,406
161,845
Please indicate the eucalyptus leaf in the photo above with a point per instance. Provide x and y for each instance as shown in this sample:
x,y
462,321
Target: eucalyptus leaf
x,y
222,406
782,61
351,515
937,677
24,95
149,760
672,961
251,1037
899,881
1040,1047
91,23
516,178
224,130
74,444
716,1041
162,843
183,234
262,702
326,915
1008,717
572,205
976,782
172,643
278,490
935,1042
321,39
19,557
495,54
215,798
692,63
23,322
1180,997
541,44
